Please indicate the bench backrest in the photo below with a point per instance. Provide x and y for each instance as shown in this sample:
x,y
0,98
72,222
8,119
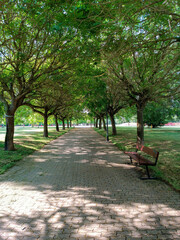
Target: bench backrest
x,y
148,150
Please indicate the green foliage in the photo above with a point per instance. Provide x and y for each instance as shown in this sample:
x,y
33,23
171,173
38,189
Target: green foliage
x,y
158,114
127,114
96,97
22,115
35,46
102,53
155,115
25,116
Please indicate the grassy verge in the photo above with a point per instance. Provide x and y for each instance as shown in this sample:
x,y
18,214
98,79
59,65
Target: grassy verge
x,y
27,140
165,140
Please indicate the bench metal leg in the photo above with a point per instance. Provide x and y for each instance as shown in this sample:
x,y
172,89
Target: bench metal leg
x,y
148,175
147,170
131,159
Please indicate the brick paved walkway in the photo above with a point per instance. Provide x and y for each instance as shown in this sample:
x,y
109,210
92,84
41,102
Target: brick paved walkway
x,y
80,187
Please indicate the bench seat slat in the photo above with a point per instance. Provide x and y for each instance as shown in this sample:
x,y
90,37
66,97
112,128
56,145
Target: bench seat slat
x,y
133,155
140,159
145,161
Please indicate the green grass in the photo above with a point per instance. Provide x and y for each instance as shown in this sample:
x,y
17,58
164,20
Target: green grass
x,y
27,140
165,140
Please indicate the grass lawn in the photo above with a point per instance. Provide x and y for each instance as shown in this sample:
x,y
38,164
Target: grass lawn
x,y
166,140
27,140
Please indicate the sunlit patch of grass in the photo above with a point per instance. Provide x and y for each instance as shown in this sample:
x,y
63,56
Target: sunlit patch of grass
x,y
164,140
25,145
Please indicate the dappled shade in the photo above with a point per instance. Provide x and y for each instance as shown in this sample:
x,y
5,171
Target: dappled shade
x,y
81,187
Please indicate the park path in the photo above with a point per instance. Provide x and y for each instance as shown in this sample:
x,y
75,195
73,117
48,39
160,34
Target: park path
x,y
81,187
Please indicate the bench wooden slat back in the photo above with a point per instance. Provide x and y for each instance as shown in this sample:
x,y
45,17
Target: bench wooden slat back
x,y
148,150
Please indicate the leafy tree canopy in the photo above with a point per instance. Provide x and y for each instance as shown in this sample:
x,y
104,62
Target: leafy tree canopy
x,y
159,113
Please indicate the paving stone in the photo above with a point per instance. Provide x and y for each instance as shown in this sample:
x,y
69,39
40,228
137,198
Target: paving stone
x,y
79,187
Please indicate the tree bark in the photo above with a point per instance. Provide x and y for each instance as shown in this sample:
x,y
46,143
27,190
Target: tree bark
x,y
104,124
45,124
56,122
140,124
67,123
63,124
114,132
100,123
9,144
70,123
96,123
10,111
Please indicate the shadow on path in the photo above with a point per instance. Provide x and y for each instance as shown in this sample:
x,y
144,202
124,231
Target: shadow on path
x,y
81,187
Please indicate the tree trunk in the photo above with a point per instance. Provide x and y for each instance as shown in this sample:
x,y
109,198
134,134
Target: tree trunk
x,y
63,124
67,123
45,124
96,122
10,111
70,123
114,132
56,122
104,124
140,124
100,125
9,144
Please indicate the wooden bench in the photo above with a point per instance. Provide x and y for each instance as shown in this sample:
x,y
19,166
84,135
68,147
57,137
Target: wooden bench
x,y
142,160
